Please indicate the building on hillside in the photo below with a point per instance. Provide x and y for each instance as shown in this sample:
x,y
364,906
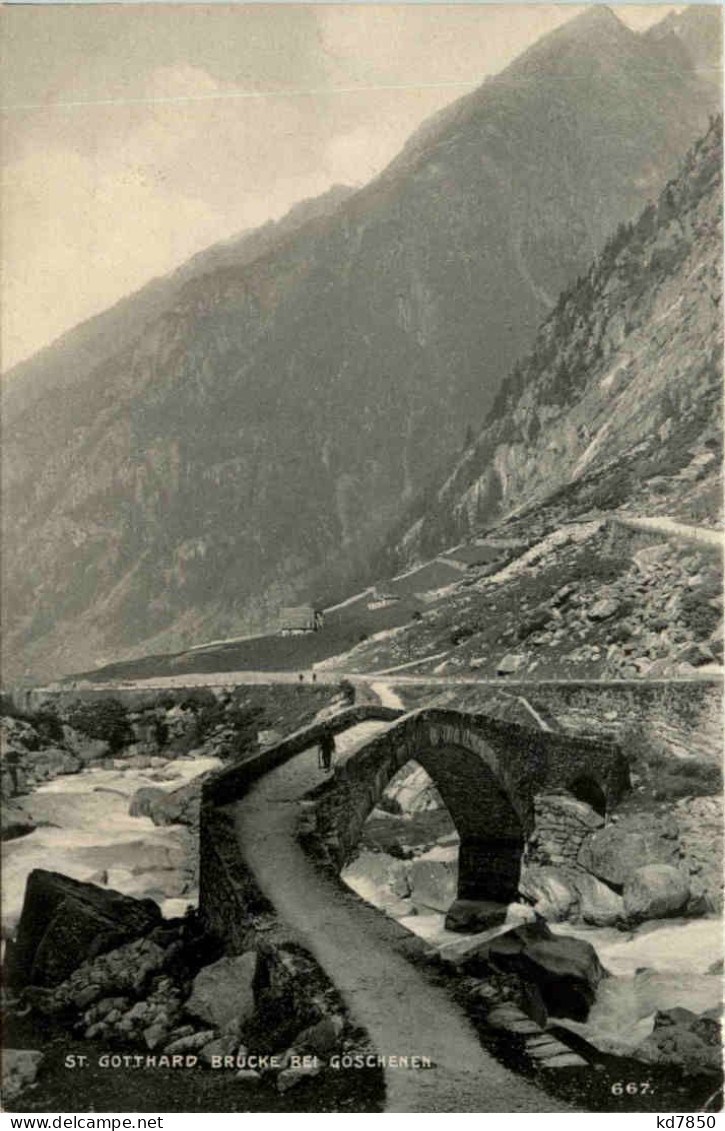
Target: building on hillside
x,y
299,620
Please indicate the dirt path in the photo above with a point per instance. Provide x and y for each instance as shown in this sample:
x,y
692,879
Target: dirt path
x,y
671,528
403,1013
387,696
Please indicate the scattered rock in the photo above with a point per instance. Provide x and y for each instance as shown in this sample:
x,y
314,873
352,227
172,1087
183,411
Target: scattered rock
x,y
193,1043
603,609
510,663
549,890
290,1077
321,1038
598,904
249,1076
224,990
220,1046
684,1039
86,996
180,807
433,883
471,915
19,1069
155,1035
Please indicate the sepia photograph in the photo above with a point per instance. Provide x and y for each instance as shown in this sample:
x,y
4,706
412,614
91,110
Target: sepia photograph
x,y
362,559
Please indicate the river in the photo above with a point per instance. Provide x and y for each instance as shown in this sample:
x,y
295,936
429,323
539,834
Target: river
x,y
659,965
87,833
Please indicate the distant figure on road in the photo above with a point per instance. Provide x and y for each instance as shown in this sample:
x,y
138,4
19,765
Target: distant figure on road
x,y
327,749
314,677
302,676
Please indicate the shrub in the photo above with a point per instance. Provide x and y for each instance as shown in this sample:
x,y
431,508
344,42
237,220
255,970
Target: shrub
x,y
105,719
620,632
688,779
537,622
697,612
348,690
669,776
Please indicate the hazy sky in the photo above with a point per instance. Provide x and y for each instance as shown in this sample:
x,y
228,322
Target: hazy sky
x,y
134,136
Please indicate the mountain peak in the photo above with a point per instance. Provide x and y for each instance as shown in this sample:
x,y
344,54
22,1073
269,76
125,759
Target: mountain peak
x,y
596,32
596,15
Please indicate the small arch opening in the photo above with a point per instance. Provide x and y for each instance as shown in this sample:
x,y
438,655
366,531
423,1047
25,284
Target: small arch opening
x,y
406,862
589,791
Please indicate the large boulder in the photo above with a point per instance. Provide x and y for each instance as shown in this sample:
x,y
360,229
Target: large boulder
x,y
598,904
15,822
65,922
180,807
550,890
567,971
224,991
18,735
615,852
433,883
470,915
559,893
86,749
654,892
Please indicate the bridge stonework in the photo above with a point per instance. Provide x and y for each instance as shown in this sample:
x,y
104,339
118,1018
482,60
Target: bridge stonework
x,y
488,773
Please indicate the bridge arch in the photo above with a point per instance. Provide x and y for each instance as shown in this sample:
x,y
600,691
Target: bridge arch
x,y
488,773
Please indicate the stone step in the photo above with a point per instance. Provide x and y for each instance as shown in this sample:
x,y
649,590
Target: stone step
x,y
524,1027
565,1060
546,1052
542,1039
513,1020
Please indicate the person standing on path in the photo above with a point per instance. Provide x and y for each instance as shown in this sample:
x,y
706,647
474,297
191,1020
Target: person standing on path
x,y
327,749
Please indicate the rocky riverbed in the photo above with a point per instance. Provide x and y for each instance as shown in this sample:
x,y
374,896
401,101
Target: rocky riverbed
x,y
83,828
662,948
105,952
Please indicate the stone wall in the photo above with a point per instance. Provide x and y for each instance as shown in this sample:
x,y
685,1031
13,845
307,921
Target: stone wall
x,y
234,781
561,825
229,899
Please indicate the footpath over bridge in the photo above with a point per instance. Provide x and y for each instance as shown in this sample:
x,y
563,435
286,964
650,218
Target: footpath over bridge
x,y
488,772
251,858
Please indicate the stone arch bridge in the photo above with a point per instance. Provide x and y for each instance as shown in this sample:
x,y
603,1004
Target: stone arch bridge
x,y
488,772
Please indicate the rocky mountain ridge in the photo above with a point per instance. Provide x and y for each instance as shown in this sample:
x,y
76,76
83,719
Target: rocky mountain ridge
x,y
619,400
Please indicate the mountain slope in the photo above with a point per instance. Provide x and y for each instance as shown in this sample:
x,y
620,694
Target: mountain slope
x,y
257,439
621,394
596,484
82,350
